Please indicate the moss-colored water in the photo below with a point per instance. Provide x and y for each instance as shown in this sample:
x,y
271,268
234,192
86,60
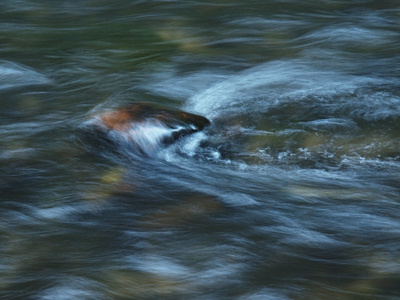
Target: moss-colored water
x,y
291,193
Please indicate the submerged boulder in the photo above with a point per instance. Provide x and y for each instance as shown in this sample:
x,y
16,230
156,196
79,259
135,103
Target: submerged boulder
x,y
146,125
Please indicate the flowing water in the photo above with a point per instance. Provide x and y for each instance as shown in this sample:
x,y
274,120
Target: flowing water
x,y
291,193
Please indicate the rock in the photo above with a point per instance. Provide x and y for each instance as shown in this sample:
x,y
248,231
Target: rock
x,y
141,112
146,125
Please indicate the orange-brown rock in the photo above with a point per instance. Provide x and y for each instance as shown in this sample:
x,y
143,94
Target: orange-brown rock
x,y
123,118
147,126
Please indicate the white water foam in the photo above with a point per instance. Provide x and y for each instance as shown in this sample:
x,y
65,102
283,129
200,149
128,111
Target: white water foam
x,y
147,136
272,84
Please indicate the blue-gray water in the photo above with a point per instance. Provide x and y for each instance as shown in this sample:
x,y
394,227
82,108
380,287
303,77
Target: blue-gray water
x,y
291,193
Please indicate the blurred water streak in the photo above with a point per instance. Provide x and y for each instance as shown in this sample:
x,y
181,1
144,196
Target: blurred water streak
x,y
291,193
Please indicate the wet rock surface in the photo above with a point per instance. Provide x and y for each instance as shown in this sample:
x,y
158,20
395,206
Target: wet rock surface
x,y
122,119
148,126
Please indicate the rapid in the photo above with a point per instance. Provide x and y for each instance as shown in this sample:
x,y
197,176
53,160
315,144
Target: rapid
x,y
291,192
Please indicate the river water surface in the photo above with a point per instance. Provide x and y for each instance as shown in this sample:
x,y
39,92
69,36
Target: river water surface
x,y
291,193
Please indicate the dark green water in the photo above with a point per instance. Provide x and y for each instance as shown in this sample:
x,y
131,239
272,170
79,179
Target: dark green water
x,y
291,193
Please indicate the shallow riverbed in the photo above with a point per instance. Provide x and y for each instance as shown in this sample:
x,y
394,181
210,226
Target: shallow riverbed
x,y
291,193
